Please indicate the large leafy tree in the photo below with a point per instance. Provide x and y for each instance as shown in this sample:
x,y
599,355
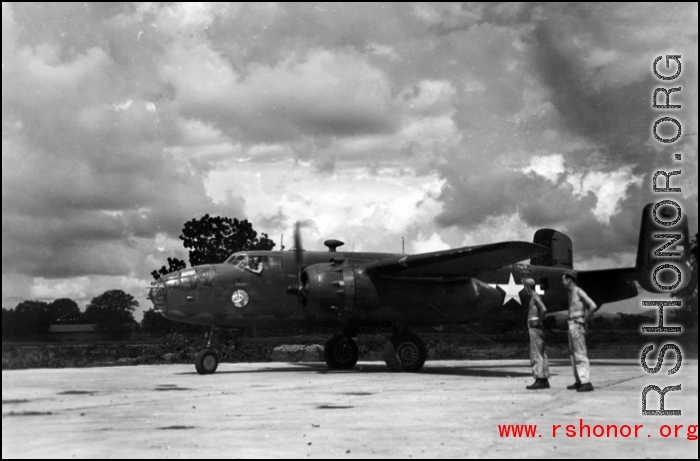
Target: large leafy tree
x,y
212,239
112,312
687,314
8,322
155,323
174,264
29,318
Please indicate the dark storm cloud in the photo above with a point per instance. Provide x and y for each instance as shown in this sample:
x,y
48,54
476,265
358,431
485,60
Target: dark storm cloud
x,y
588,74
269,33
614,111
614,114
320,94
86,131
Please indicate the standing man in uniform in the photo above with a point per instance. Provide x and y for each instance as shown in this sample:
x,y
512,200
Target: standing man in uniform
x,y
581,309
535,325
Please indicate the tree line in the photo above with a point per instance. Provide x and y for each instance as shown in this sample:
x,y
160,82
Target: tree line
x,y
111,313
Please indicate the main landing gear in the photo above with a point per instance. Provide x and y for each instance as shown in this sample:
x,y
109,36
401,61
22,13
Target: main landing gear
x,y
206,362
341,352
405,352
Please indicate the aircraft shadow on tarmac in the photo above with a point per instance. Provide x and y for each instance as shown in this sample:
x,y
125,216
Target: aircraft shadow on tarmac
x,y
487,372
432,368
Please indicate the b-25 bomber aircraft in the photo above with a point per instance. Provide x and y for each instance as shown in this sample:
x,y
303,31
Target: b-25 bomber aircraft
x,y
349,291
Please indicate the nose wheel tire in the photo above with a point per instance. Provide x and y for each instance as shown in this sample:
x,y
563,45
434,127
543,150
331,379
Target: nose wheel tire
x,y
405,352
206,362
341,353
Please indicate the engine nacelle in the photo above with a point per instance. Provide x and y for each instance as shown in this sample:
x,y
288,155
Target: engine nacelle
x,y
337,290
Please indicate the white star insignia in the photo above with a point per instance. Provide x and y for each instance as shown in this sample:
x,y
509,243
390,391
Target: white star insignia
x,y
513,290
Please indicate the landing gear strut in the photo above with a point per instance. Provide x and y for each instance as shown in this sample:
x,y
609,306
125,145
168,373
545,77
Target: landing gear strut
x,y
405,352
206,362
341,352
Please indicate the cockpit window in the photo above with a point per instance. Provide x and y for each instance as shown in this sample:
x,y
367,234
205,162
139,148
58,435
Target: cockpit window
x,y
255,264
230,259
239,261
188,279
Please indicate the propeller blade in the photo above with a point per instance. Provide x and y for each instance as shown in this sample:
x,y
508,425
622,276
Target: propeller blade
x,y
299,260
298,247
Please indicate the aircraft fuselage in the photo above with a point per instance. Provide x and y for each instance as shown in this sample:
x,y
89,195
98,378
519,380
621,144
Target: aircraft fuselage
x,y
337,291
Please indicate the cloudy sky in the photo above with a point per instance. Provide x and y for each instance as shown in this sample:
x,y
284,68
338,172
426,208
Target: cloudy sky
x,y
448,124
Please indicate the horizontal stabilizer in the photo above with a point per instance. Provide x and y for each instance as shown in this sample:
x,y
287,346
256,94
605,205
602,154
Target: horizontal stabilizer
x,y
608,285
459,262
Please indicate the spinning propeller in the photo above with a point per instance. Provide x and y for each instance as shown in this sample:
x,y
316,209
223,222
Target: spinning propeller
x,y
302,278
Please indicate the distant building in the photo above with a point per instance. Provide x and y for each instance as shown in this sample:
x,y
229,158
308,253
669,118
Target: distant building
x,y
80,332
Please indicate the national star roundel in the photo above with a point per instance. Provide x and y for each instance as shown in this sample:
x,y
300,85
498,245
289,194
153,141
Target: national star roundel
x,y
240,298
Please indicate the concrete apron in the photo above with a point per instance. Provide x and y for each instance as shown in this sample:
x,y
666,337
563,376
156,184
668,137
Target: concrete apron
x,y
278,410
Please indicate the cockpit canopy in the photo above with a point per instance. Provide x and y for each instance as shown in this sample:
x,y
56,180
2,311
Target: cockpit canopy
x,y
241,261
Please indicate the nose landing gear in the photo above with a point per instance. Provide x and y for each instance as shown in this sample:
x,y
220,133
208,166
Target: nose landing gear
x,y
206,361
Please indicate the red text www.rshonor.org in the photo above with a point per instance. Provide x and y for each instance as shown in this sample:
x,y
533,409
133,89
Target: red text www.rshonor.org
x,y
599,431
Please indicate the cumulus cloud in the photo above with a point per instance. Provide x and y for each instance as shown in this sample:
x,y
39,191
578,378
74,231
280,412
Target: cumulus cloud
x,y
368,211
432,243
579,116
609,189
550,167
321,93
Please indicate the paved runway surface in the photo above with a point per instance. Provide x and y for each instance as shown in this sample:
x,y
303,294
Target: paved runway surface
x,y
277,410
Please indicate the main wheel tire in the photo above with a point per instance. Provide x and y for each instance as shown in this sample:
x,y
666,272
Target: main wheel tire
x,y
206,362
341,353
405,352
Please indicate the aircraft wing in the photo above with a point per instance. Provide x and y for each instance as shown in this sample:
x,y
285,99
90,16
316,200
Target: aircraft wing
x,y
459,262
